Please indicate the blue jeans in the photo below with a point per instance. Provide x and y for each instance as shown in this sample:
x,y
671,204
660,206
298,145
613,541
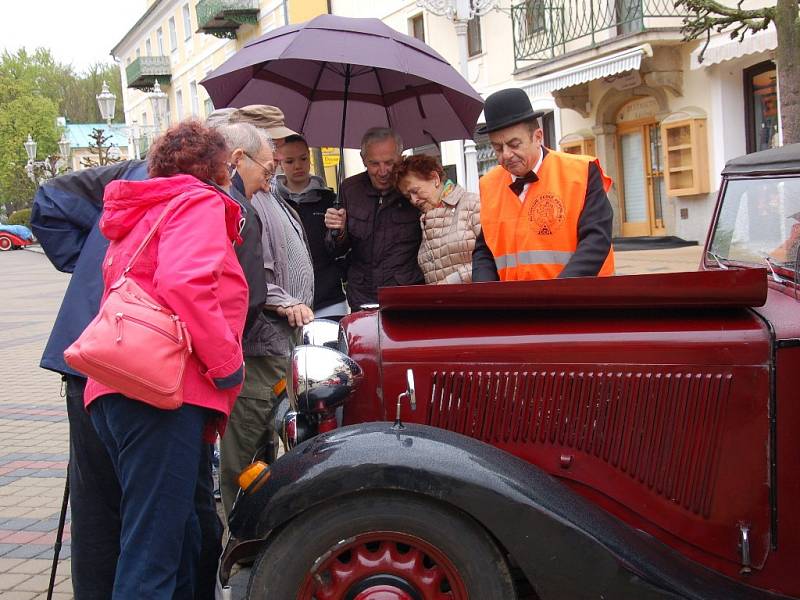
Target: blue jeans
x,y
157,456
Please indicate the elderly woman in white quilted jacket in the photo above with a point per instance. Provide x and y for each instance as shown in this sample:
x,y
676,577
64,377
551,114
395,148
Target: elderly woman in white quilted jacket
x,y
450,219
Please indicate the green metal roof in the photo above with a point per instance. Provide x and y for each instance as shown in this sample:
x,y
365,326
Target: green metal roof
x,y
78,135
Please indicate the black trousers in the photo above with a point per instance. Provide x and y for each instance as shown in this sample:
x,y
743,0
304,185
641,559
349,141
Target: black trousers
x,y
94,504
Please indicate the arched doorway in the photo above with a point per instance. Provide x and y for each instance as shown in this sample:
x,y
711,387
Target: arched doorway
x,y
641,180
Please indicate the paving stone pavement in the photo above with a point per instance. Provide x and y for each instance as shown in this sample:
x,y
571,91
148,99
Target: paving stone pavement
x,y
33,428
33,419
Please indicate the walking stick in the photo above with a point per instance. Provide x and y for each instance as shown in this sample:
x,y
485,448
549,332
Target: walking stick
x,y
59,536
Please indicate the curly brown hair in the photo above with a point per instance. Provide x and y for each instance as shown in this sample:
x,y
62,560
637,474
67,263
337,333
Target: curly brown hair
x,y
189,148
421,165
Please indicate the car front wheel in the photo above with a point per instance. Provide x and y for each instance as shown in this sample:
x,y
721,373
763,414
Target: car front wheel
x,y
386,545
5,243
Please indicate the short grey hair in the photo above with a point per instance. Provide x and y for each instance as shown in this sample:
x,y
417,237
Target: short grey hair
x,y
245,136
378,134
219,117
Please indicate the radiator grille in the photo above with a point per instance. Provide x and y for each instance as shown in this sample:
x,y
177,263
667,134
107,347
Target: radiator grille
x,y
659,428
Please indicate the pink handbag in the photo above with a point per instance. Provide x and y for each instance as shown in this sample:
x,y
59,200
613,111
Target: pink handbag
x,y
135,345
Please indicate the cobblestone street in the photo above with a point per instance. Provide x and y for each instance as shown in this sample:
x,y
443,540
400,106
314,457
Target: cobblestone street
x,y
33,420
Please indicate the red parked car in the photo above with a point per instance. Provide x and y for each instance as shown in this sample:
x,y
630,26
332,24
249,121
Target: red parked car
x,y
630,437
13,237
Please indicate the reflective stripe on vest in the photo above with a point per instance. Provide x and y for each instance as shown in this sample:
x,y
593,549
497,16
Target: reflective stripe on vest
x,y
536,238
532,257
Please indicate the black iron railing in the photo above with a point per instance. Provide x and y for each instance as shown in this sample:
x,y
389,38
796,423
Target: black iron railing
x,y
546,29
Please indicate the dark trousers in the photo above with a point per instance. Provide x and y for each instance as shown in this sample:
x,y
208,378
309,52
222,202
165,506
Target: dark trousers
x,y
94,504
157,456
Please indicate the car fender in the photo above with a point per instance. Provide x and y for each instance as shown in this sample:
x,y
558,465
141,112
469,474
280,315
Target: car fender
x,y
566,546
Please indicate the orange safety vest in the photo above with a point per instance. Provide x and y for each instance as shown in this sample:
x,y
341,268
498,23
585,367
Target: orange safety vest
x,y
536,238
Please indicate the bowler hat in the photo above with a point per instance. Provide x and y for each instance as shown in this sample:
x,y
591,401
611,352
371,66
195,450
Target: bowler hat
x,y
505,108
265,117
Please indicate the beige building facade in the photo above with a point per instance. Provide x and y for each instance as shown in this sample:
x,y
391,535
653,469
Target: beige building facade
x,y
178,42
616,81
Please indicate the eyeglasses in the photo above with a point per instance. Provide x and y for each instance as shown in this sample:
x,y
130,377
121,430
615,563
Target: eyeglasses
x,y
268,173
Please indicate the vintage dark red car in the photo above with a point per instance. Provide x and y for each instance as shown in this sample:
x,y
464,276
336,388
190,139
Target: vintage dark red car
x,y
629,437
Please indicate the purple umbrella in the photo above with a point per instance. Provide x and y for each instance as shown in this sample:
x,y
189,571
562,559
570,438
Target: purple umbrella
x,y
335,77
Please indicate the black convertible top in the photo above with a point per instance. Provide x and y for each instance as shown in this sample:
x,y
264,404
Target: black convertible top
x,y
775,160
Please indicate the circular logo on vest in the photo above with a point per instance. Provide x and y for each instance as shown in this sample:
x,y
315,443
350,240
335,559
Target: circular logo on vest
x,y
547,214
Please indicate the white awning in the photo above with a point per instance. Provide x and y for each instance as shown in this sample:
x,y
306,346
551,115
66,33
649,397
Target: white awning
x,y
613,64
722,47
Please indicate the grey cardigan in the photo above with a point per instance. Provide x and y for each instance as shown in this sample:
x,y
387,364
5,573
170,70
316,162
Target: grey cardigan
x,y
271,334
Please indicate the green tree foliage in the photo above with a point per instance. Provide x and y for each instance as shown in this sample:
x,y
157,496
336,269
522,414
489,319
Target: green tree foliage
x,y
34,90
20,217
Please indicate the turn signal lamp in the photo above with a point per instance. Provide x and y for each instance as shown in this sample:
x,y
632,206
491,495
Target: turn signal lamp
x,y
253,477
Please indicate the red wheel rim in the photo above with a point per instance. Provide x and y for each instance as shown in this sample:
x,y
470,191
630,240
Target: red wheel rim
x,y
383,564
5,243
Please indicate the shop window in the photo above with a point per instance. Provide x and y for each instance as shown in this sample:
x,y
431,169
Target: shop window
x,y
580,142
416,27
761,106
683,138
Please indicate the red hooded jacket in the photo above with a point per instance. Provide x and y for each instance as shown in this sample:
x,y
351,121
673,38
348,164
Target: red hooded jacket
x,y
189,265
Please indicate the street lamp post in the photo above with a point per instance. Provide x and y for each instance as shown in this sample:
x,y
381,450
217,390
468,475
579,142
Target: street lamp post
x,y
41,170
158,101
460,12
106,102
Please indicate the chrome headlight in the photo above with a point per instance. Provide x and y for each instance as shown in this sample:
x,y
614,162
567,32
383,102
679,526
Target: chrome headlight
x,y
321,378
321,332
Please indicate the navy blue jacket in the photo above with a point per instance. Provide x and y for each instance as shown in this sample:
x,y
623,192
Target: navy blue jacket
x,y
66,211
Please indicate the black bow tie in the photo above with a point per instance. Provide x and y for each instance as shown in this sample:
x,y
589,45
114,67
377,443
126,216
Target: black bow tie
x,y
517,185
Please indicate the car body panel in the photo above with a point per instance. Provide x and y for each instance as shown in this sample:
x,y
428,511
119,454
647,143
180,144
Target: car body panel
x,y
551,532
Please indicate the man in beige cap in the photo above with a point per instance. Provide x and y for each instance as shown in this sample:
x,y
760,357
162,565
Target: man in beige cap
x,y
269,118
289,278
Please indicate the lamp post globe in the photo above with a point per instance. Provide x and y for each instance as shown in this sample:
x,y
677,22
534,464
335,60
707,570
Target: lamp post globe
x,y
106,102
64,146
30,148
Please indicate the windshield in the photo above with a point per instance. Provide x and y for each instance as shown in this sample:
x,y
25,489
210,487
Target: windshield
x,y
759,222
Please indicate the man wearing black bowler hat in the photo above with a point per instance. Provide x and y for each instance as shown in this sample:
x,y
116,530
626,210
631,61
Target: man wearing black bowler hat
x,y
544,214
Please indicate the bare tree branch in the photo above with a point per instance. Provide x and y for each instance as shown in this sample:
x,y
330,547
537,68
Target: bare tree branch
x,y
710,15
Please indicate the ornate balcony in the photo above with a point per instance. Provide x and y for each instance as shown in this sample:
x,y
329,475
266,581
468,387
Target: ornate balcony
x,y
547,29
143,72
222,18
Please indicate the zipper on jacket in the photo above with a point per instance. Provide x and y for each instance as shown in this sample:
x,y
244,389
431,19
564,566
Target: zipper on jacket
x,y
120,317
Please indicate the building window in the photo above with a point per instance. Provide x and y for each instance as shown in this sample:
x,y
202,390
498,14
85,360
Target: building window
x,y
474,46
160,41
173,35
208,106
144,119
179,104
148,47
761,106
416,27
534,17
187,22
194,99
138,53
548,122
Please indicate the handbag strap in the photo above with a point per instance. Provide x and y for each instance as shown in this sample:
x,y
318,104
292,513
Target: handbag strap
x,y
147,239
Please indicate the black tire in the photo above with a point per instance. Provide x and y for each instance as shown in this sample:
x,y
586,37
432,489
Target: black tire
x,y
284,564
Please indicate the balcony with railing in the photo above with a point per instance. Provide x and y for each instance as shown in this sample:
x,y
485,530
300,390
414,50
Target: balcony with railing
x,y
548,29
143,72
222,18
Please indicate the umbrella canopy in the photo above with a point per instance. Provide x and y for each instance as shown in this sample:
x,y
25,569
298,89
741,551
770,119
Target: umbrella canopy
x,y
388,79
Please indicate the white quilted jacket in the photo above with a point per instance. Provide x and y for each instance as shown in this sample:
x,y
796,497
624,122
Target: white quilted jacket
x,y
448,238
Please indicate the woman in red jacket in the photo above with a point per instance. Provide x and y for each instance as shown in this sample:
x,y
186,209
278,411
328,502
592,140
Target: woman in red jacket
x,y
189,266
